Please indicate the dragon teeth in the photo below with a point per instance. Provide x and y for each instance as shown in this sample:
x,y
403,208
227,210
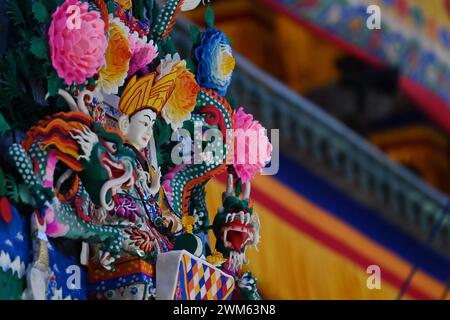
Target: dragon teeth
x,y
249,218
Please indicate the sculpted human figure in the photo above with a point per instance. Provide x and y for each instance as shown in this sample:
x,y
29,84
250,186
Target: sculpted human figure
x,y
138,129
136,208
138,205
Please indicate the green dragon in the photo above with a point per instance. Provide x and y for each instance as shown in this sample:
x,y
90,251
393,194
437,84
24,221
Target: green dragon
x,y
74,167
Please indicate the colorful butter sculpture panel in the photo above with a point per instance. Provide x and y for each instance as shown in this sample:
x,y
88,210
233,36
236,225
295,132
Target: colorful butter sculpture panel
x,y
133,278
182,276
110,147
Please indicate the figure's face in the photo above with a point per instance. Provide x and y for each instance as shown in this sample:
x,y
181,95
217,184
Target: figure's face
x,y
140,128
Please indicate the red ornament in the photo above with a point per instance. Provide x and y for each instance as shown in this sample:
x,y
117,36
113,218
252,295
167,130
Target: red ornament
x,y
402,8
5,210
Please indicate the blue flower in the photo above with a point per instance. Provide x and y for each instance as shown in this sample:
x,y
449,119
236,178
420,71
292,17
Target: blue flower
x,y
215,61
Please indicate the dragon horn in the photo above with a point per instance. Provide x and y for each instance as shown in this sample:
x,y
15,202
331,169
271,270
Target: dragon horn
x,y
68,98
76,106
230,184
80,101
247,191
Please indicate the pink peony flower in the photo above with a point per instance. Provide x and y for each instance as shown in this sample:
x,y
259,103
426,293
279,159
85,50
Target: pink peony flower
x,y
143,54
252,149
77,41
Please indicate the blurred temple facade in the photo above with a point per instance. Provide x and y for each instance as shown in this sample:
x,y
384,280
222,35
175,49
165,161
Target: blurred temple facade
x,y
364,119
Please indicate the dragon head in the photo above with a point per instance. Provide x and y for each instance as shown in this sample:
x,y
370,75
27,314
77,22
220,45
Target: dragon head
x,y
236,226
82,149
108,165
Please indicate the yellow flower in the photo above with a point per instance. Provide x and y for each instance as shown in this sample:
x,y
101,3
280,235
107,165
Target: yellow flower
x,y
184,97
216,259
227,63
126,4
113,74
188,223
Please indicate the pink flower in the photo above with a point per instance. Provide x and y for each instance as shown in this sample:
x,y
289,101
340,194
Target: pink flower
x,y
143,54
166,185
77,41
252,149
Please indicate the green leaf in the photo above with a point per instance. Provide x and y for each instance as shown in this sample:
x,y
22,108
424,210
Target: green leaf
x,y
61,104
2,183
110,6
9,79
11,188
209,17
168,46
155,12
163,132
5,99
164,159
196,35
23,64
24,35
53,84
40,12
39,48
53,4
25,195
238,188
232,101
4,125
189,126
149,5
138,9
14,12
190,65
91,81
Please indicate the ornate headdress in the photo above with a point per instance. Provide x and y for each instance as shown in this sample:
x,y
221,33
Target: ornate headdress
x,y
146,93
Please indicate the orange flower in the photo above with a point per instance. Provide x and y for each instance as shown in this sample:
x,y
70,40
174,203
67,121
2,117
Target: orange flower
x,y
188,223
216,259
118,55
126,4
184,97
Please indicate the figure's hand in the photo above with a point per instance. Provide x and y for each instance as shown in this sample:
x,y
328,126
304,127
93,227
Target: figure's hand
x,y
156,182
158,174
